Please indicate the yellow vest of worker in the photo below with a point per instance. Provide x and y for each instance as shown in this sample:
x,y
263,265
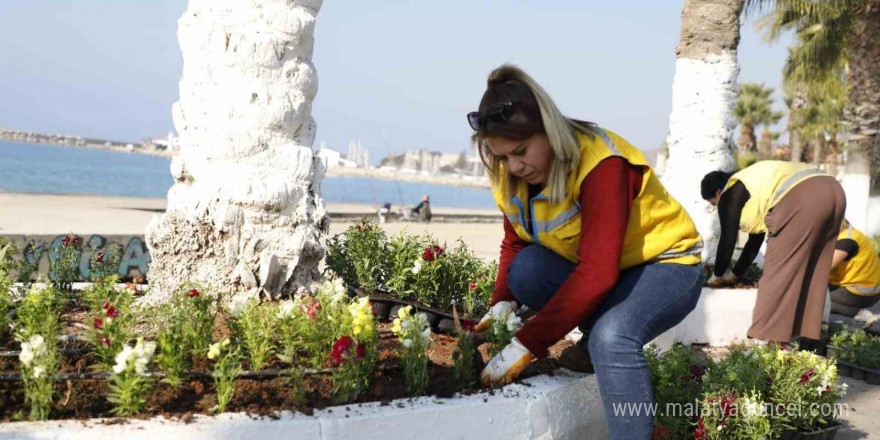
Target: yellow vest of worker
x,y
861,274
659,229
767,182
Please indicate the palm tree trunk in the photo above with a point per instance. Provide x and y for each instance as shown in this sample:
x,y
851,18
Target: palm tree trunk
x,y
795,122
818,149
746,138
765,145
863,115
702,121
245,211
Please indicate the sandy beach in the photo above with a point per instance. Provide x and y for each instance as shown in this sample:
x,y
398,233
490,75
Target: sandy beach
x,y
40,214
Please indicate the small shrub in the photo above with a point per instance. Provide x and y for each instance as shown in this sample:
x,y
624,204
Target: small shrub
x,y
129,384
414,333
40,362
64,262
227,367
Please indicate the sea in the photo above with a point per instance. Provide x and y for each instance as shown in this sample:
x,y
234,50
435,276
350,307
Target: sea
x,y
56,169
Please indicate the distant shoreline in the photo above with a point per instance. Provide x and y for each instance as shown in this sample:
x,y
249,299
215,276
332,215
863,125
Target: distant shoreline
x,y
411,178
82,143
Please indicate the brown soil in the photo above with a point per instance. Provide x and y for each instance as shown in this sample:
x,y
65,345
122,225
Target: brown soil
x,y
86,398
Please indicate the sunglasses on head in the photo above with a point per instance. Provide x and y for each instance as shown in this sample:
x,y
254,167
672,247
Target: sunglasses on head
x,y
497,113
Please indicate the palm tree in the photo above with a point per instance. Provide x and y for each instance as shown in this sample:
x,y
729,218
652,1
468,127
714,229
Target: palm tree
x,y
702,121
245,212
823,115
834,33
754,107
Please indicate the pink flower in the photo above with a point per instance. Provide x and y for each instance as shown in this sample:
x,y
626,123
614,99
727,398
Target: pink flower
x,y
193,293
728,404
106,305
432,252
311,310
66,241
700,433
473,285
105,342
99,324
468,324
340,347
659,432
360,352
99,258
806,376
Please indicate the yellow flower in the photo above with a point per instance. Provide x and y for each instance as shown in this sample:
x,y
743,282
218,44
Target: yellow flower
x,y
362,314
215,349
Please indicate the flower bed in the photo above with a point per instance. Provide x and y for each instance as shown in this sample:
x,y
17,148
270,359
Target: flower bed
x,y
764,392
411,268
197,356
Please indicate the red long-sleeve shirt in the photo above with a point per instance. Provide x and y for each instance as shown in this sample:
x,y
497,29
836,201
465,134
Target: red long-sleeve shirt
x,y
606,198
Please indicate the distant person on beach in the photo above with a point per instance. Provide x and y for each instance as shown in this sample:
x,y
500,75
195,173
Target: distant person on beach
x,y
383,211
800,208
855,272
591,239
423,209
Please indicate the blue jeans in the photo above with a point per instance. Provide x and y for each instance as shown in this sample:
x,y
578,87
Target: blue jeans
x,y
646,301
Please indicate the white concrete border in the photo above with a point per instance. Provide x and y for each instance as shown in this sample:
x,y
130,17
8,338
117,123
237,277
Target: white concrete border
x,y
721,316
564,406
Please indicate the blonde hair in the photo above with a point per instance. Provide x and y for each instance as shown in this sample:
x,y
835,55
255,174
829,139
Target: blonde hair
x,y
534,113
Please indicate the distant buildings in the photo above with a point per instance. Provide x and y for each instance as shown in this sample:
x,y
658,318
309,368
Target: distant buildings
x,y
434,163
358,154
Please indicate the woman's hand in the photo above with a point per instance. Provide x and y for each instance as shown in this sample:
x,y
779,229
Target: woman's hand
x,y
501,307
507,365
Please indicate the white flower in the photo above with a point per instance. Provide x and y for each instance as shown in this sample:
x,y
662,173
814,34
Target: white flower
x,y
421,320
720,427
27,354
417,267
140,354
842,388
339,287
513,322
752,407
38,371
33,349
122,359
238,305
38,344
407,343
406,325
285,308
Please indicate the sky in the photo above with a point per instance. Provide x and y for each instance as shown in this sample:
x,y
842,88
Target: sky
x,y
395,74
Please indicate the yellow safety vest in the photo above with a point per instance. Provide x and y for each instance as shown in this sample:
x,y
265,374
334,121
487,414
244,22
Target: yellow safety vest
x,y
659,229
768,182
861,274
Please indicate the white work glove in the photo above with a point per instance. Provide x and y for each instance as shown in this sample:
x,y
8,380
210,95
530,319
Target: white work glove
x,y
500,308
725,280
507,365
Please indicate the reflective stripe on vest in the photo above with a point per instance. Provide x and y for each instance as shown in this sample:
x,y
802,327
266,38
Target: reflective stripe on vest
x,y
791,180
694,250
